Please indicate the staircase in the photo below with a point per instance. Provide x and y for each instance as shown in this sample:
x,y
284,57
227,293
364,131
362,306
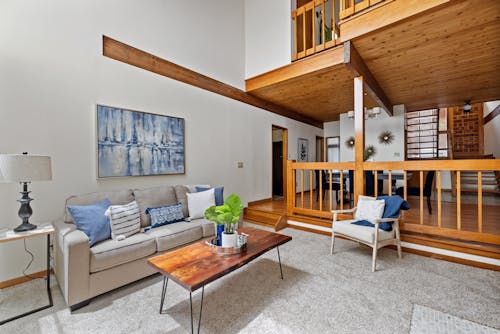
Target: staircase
x,y
490,182
274,220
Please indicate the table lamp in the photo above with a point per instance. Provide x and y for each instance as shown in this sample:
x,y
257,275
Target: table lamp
x,y
25,168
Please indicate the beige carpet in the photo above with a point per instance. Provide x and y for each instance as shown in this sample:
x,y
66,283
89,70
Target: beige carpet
x,y
320,294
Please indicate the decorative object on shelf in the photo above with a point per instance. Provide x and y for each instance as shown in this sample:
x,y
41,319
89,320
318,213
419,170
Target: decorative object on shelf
x,y
25,168
370,151
135,143
386,137
350,142
227,215
302,150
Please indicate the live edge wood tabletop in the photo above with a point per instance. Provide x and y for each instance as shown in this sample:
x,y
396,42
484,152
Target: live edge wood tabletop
x,y
195,265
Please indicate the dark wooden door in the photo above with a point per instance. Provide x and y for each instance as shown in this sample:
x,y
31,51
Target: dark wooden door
x,y
278,168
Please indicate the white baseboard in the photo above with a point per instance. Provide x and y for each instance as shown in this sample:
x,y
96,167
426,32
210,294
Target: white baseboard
x,y
429,249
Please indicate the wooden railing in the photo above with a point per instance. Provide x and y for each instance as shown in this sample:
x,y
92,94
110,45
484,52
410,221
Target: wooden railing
x,y
351,7
456,219
315,28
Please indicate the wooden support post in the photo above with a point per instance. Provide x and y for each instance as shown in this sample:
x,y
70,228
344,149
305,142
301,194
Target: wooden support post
x,y
331,190
341,191
290,199
320,175
311,189
359,135
405,186
439,196
421,197
459,205
302,188
480,202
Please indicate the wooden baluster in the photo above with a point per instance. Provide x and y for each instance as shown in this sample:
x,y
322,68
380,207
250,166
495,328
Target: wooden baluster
x,y
323,20
459,195
331,190
313,21
439,196
334,23
375,175
405,178
311,189
422,197
341,191
302,188
320,174
480,201
294,18
304,32
390,182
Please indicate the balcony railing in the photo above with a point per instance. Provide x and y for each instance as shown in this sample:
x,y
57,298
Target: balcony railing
x,y
465,217
315,28
351,7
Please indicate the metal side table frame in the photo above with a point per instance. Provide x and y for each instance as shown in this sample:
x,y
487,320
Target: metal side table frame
x,y
10,236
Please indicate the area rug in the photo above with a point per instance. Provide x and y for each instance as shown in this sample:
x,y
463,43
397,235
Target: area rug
x,y
320,293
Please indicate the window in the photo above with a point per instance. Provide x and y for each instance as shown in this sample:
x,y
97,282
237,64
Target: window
x,y
426,134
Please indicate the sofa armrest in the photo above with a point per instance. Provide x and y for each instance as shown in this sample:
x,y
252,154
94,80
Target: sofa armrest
x,y
72,262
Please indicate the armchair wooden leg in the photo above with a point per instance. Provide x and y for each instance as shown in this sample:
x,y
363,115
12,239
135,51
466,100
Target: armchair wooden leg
x,y
398,239
374,258
333,242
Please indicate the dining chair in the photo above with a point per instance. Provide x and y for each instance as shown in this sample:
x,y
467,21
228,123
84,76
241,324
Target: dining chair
x,y
325,184
415,191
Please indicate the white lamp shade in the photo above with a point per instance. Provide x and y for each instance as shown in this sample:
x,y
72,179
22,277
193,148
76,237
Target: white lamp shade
x,y
25,168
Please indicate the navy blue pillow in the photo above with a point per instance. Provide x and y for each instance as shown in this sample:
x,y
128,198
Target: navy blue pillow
x,y
219,194
91,220
165,215
393,204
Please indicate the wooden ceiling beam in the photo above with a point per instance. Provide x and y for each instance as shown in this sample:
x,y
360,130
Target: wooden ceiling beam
x,y
320,61
127,54
355,63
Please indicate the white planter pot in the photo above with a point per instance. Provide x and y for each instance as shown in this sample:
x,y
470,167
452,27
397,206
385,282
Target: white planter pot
x,y
229,240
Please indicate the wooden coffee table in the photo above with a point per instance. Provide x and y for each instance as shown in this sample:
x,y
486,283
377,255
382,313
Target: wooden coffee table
x,y
194,266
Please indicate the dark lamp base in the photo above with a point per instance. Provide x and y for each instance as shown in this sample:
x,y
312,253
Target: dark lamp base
x,y
25,227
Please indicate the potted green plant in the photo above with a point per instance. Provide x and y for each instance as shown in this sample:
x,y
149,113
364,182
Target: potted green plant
x,y
227,215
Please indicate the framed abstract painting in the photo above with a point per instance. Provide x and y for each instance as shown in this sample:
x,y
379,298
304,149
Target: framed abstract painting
x,y
135,143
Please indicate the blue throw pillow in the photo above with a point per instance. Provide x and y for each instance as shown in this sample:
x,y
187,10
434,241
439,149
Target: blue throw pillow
x,y
91,220
393,204
219,196
165,215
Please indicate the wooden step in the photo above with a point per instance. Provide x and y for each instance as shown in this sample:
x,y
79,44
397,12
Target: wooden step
x,y
265,218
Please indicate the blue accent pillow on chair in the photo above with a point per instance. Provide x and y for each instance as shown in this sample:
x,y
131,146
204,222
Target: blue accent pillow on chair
x,y
219,194
165,215
91,220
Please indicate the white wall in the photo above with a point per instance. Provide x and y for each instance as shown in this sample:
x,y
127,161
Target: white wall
x,y
331,129
492,131
52,74
267,35
373,128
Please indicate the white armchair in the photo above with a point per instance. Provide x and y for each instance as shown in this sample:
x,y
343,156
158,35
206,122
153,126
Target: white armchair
x,y
370,236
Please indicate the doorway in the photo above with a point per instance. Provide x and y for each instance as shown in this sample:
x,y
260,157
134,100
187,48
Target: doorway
x,y
320,149
279,158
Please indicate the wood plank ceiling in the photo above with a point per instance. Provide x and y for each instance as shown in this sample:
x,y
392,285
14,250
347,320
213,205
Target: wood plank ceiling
x,y
322,94
438,58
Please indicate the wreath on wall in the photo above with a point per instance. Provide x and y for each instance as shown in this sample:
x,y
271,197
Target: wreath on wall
x,y
350,142
370,151
386,137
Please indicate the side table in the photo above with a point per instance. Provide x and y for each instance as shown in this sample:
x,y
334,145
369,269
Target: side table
x,y
10,235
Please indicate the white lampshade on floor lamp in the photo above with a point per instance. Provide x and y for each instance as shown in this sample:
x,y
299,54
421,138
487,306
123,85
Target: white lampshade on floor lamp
x,y
25,168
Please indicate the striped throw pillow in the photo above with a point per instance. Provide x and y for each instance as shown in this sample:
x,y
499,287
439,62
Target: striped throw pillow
x,y
124,219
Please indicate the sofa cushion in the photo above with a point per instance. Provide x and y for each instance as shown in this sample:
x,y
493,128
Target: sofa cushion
x,y
115,197
91,220
363,233
111,253
207,226
180,193
124,219
198,203
176,234
153,198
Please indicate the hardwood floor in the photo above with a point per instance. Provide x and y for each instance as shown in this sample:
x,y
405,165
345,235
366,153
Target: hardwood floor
x,y
469,211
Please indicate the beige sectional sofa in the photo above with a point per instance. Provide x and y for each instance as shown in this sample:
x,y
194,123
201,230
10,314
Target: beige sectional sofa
x,y
84,272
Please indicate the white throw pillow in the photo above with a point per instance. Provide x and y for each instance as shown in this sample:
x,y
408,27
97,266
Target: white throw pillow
x,y
199,202
124,220
369,209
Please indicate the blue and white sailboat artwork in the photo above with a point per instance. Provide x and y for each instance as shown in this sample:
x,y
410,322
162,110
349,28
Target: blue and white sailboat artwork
x,y
134,143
